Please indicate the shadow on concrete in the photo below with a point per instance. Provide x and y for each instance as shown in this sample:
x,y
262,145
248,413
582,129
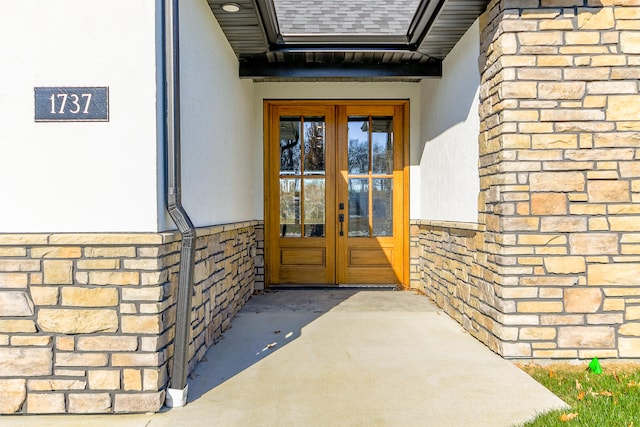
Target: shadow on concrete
x,y
266,324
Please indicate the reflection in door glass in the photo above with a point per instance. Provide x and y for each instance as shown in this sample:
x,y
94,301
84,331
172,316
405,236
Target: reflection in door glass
x,y
290,146
314,145
358,137
382,144
358,207
382,206
290,207
314,207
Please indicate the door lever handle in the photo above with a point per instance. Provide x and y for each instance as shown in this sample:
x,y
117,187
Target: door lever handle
x,y
341,221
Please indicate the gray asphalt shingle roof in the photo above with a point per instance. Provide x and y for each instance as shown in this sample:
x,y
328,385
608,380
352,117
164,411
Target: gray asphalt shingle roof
x,y
387,17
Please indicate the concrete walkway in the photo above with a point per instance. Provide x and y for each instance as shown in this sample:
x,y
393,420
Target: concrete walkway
x,y
342,357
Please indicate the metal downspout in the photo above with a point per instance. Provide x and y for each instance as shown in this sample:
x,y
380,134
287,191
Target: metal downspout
x,y
177,392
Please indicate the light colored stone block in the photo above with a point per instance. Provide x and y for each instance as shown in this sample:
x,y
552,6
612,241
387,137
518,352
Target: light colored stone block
x,y
107,343
13,280
620,274
30,341
515,349
565,265
624,223
58,272
148,324
15,325
114,278
45,403
132,379
110,252
608,191
581,300
13,252
104,379
56,252
15,304
548,204
557,181
540,307
518,90
562,90
564,319
13,395
89,403
554,141
81,359
563,224
98,264
56,385
148,293
135,359
537,333
14,265
65,343
632,312
593,243
612,304
630,42
629,347
631,329
77,321
605,319
623,107
139,402
44,295
89,297
586,337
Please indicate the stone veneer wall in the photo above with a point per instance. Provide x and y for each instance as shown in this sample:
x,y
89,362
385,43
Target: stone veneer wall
x,y
552,271
451,261
87,320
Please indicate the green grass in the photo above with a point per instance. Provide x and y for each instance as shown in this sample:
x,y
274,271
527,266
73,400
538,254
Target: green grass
x,y
610,399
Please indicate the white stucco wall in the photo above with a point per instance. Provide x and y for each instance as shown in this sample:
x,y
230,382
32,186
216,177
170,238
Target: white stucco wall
x,y
221,183
64,177
448,170
340,90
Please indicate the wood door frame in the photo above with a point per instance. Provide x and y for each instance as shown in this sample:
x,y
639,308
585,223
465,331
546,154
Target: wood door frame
x,y
267,129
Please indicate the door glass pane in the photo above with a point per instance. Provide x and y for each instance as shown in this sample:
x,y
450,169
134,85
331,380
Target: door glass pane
x,y
314,207
290,146
382,144
358,137
382,206
314,145
358,207
290,207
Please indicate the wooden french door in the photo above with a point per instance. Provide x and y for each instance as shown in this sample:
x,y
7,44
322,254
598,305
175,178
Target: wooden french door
x,y
336,199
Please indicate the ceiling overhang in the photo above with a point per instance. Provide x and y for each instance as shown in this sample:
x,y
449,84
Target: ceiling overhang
x,y
265,53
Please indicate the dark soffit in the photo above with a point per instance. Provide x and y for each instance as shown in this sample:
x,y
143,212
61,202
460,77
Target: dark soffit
x,y
264,53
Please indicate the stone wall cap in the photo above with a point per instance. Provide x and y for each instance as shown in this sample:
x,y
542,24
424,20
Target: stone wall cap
x,y
148,238
473,226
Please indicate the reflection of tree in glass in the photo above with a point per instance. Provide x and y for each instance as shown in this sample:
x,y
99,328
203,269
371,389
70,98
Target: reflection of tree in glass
x,y
358,156
382,145
290,145
314,147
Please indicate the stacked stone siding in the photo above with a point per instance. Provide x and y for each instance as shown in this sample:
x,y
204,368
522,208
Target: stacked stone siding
x,y
560,174
450,258
87,320
552,269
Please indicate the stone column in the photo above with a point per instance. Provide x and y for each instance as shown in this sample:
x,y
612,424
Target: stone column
x,y
560,175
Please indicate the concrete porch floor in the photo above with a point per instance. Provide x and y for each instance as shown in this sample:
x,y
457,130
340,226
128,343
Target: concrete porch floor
x,y
342,357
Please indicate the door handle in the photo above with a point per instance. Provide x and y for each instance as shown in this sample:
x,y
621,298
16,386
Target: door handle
x,y
341,221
